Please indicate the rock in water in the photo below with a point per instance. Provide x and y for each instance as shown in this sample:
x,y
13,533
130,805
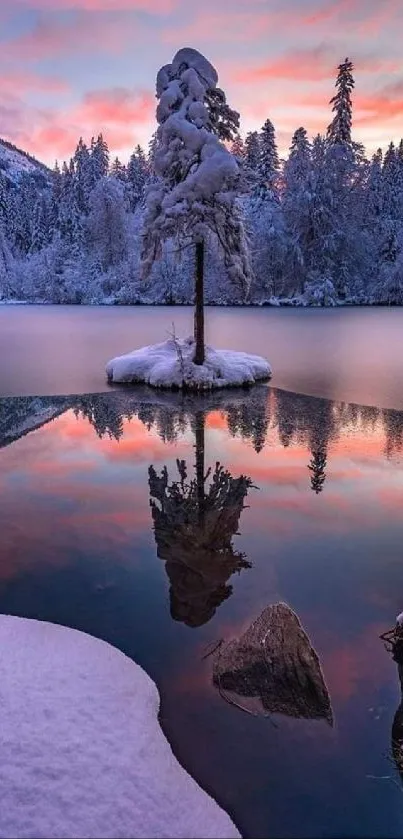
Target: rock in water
x,y
274,661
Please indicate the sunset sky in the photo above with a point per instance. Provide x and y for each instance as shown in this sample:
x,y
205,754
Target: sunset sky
x,y
78,67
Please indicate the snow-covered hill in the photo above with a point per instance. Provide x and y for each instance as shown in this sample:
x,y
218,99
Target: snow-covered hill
x,y
15,163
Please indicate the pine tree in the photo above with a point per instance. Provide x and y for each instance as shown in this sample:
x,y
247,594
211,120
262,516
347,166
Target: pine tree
x,y
118,170
238,149
3,201
252,156
106,225
339,130
7,267
392,184
195,193
269,163
40,227
137,177
99,159
152,149
82,176
70,217
298,209
55,195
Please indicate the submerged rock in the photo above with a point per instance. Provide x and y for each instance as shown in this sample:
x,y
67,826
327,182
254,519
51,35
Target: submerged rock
x,y
274,661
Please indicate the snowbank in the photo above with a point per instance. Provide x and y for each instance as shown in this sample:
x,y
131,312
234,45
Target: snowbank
x,y
171,365
82,752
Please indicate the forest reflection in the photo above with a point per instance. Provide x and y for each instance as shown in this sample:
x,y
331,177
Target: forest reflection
x,y
313,423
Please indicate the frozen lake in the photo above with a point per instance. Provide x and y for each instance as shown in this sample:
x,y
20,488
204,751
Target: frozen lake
x,y
96,535
354,355
82,544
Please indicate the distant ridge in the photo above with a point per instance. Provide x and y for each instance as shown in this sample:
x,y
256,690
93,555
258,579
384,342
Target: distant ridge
x,y
14,162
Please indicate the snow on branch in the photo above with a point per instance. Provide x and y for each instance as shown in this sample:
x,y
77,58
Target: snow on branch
x,y
197,178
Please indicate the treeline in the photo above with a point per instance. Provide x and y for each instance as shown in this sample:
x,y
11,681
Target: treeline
x,y
325,225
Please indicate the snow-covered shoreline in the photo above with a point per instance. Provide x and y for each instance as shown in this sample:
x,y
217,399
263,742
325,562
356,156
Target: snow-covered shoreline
x,y
170,365
83,754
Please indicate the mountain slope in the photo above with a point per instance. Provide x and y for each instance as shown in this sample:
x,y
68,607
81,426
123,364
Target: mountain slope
x,y
14,163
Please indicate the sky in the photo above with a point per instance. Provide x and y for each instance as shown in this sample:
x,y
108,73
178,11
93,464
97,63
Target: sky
x,y
71,68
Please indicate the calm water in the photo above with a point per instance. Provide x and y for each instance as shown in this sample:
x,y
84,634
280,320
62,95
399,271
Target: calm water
x,y
84,543
354,355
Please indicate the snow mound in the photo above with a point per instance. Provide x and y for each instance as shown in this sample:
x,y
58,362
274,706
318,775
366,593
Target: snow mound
x,y
82,751
170,365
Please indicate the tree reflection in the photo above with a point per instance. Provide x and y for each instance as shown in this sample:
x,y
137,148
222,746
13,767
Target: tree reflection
x,y
322,430
105,414
195,520
393,425
310,422
317,468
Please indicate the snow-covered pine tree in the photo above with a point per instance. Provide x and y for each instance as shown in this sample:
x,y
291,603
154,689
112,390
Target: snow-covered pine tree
x,y
197,177
238,149
55,195
346,176
82,176
40,225
106,224
118,170
265,215
297,207
269,162
99,166
152,148
137,177
339,130
24,203
392,184
70,219
7,269
252,157
3,200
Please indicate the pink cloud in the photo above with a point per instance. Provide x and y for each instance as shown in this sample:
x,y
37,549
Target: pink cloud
x,y
381,106
309,65
151,6
51,134
117,106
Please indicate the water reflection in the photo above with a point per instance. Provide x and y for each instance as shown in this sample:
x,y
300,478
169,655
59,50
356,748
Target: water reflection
x,y
79,544
317,468
194,523
317,424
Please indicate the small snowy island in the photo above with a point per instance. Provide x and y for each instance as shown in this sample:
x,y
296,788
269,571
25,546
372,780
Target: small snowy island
x,y
192,199
171,365
82,751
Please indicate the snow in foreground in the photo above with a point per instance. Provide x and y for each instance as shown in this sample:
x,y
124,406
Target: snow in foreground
x,y
82,751
171,365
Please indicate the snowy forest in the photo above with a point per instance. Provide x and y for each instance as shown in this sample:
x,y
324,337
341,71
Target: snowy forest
x,y
324,226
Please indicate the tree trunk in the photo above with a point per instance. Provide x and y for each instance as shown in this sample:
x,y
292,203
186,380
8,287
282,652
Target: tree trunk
x,y
199,305
199,446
